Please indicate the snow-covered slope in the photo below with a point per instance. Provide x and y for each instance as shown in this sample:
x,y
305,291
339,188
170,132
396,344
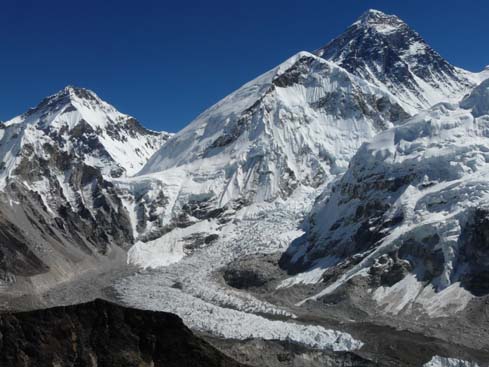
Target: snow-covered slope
x,y
301,122
295,124
410,214
189,287
385,51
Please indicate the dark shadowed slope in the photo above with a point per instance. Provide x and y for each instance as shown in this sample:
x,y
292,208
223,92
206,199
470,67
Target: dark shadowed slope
x,y
102,334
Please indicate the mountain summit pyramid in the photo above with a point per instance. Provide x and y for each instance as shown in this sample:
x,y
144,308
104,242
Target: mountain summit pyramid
x,y
81,123
383,50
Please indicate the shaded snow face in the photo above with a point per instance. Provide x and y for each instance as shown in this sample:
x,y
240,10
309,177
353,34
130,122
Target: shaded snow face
x,y
478,100
385,51
414,201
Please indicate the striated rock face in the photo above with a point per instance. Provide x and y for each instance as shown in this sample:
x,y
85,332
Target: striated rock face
x,y
55,234
102,334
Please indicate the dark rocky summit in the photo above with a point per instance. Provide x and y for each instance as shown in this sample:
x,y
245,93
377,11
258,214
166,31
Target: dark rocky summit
x,y
102,334
385,51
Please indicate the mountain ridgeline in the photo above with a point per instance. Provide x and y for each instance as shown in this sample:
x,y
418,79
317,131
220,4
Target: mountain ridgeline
x,y
387,136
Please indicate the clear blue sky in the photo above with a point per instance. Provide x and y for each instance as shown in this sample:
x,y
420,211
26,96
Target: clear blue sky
x,y
164,62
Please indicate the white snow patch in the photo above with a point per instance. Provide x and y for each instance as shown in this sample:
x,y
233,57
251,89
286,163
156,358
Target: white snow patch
x,y
438,361
312,276
167,249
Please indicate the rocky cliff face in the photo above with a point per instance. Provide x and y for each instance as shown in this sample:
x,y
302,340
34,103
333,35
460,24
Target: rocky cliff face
x,y
102,334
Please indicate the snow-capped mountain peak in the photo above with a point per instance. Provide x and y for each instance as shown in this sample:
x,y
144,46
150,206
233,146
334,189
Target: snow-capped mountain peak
x,y
379,131
379,21
77,120
77,93
57,164
78,101
385,51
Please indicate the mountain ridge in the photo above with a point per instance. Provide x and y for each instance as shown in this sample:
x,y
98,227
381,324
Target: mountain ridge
x,y
81,114
375,139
